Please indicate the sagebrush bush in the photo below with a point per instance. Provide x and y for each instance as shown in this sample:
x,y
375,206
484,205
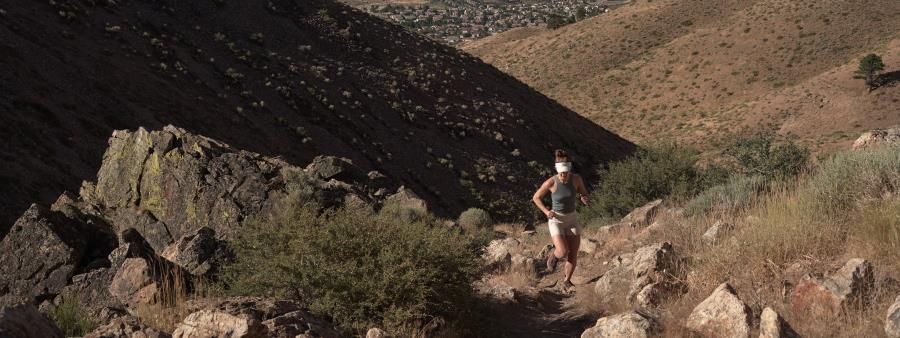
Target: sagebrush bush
x,y
656,172
853,177
360,267
735,194
72,318
475,218
760,155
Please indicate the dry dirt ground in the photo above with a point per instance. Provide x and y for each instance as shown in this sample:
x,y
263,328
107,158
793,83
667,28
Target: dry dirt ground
x,y
700,72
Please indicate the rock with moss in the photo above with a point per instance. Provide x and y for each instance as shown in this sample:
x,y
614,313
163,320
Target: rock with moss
x,y
169,183
41,253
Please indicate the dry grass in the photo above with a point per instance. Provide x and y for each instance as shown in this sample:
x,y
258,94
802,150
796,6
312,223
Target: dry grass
x,y
173,303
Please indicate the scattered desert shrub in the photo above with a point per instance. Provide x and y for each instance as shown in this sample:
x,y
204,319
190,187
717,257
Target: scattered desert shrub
x,y
760,155
737,193
851,178
360,267
652,173
475,218
71,318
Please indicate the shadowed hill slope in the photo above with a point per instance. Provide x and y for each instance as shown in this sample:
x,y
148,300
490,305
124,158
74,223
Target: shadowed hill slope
x,y
286,78
687,69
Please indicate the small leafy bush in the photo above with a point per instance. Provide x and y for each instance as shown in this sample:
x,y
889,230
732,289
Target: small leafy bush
x,y
475,218
656,172
71,318
393,269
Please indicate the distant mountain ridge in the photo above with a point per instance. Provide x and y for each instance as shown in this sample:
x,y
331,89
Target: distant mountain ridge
x,y
699,72
293,79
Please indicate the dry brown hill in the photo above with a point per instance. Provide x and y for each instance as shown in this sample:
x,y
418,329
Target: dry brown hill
x,y
699,71
284,78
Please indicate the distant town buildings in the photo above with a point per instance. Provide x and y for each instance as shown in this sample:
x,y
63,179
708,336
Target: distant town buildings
x,y
455,21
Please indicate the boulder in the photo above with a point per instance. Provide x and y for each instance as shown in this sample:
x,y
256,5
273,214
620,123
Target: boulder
x,y
376,333
92,287
588,245
328,167
771,325
892,321
852,285
498,253
252,317
126,327
644,215
716,232
25,321
722,314
178,182
877,137
645,277
623,325
406,198
135,283
200,253
40,254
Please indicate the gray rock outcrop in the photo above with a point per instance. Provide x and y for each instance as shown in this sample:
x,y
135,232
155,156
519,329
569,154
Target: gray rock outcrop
x,y
645,277
877,137
252,317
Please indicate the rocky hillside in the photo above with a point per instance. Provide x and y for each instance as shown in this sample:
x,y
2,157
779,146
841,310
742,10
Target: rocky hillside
x,y
156,224
289,79
700,71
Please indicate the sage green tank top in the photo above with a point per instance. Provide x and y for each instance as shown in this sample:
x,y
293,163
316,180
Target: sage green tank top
x,y
564,196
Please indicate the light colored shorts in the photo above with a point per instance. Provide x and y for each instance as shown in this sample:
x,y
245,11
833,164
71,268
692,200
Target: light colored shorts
x,y
564,224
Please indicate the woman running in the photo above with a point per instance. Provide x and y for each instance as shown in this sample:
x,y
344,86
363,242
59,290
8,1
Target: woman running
x,y
562,218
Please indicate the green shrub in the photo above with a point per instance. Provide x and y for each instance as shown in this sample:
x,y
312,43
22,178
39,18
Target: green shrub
x,y
475,218
851,178
656,172
737,193
759,155
71,318
359,267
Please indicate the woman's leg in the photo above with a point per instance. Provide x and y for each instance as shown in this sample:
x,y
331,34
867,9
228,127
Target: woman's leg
x,y
573,241
561,246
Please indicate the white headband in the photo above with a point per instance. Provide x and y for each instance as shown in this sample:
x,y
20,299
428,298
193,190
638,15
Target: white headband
x,y
563,167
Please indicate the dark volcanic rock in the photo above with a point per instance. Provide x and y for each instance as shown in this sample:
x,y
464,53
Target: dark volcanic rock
x,y
24,321
40,254
184,181
200,253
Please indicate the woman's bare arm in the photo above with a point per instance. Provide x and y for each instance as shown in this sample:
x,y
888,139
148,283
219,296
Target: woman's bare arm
x,y
581,189
539,194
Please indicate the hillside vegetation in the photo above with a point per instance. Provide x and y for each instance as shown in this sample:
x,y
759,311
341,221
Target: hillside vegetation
x,y
294,79
698,71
